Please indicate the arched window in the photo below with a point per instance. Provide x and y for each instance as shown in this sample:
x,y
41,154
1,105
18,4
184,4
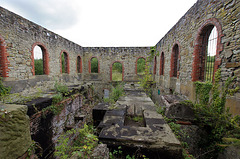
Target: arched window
x,y
93,65
206,51
79,64
175,61
140,65
208,55
40,59
117,71
161,72
64,62
155,65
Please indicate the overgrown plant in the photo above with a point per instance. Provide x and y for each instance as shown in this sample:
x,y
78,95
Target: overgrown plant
x,y
211,112
119,154
82,147
147,80
4,91
116,92
60,88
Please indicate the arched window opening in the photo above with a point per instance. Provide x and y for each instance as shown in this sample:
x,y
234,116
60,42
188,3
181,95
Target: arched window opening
x,y
155,65
94,65
162,64
210,54
175,61
79,65
64,60
141,65
207,47
38,60
117,71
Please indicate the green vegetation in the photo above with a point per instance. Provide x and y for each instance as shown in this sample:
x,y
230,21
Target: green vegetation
x,y
63,63
146,81
57,98
55,108
38,65
116,76
20,99
210,58
82,147
141,65
202,91
137,118
116,92
119,154
94,65
117,67
4,91
116,153
60,88
212,114
117,71
209,68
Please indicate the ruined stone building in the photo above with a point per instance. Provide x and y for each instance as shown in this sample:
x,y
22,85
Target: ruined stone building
x,y
183,54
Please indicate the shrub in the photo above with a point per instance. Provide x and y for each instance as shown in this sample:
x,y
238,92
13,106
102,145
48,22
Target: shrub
x,y
94,65
211,112
60,88
82,147
38,64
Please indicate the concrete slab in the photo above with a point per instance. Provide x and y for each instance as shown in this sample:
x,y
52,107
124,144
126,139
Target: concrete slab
x,y
157,135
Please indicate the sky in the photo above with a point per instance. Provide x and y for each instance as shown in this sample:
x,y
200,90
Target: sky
x,y
104,23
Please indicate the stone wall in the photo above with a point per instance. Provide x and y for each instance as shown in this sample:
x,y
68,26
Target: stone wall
x,y
108,55
48,122
186,34
18,37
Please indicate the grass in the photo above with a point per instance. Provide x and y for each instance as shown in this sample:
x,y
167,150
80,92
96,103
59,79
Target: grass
x,y
116,76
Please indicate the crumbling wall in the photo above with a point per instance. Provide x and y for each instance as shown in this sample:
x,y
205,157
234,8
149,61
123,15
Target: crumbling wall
x,y
108,55
19,36
186,32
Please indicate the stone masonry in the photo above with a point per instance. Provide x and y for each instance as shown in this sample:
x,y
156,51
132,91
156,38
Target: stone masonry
x,y
18,36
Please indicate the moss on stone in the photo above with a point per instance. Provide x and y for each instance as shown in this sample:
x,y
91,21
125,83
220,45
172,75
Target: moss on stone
x,y
15,136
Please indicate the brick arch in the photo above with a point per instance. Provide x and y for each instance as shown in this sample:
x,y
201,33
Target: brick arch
x,y
122,70
45,58
162,62
89,64
3,58
203,32
175,60
80,64
67,61
136,63
155,65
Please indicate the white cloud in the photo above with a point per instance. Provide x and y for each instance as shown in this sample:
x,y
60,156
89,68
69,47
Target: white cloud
x,y
105,22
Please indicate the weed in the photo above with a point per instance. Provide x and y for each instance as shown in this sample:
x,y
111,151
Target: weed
x,y
60,88
57,98
82,147
211,112
4,91
147,80
116,92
